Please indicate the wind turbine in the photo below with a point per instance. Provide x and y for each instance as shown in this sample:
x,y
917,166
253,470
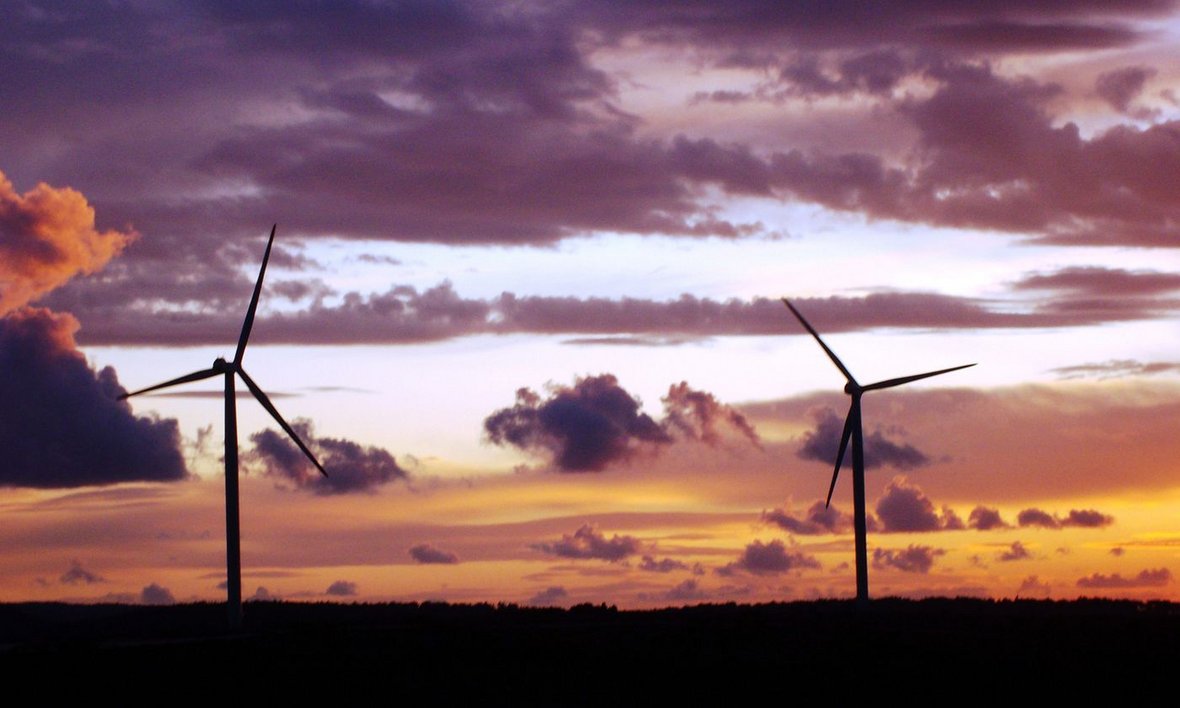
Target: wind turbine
x,y
854,431
221,367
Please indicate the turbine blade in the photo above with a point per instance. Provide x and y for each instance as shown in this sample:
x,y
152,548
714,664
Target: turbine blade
x,y
840,455
195,376
248,324
889,383
831,354
274,413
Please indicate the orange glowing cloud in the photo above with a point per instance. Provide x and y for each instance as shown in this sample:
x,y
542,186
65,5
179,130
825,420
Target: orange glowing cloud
x,y
47,236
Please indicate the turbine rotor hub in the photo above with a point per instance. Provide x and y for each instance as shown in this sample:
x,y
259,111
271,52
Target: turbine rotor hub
x,y
852,388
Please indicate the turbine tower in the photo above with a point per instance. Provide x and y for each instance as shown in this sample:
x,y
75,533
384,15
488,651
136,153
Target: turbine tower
x,y
854,431
228,369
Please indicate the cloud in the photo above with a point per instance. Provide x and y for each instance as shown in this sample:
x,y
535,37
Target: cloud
x,y
1014,169
588,542
425,553
156,595
549,596
819,519
584,428
342,588
78,574
596,423
1015,552
664,565
47,236
875,72
823,443
1080,285
63,426
984,519
912,559
686,590
1033,586
904,507
404,314
351,467
1077,518
769,559
754,29
1121,86
697,415
1116,368
1087,519
386,126
1151,578
1036,517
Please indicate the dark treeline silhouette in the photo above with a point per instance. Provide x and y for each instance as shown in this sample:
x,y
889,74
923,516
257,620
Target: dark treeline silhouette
x,y
594,653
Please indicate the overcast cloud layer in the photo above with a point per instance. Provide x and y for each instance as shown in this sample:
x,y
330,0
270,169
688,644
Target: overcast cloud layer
x,y
499,123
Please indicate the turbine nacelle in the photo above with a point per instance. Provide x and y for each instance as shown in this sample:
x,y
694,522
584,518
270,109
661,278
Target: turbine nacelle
x,y
221,366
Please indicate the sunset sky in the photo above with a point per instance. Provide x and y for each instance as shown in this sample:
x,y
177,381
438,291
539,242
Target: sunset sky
x,y
525,297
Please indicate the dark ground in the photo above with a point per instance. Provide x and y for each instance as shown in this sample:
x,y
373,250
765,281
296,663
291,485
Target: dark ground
x,y
938,651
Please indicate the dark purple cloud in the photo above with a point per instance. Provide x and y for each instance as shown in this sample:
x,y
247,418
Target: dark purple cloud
x,y
746,30
351,467
1087,519
155,594
823,443
1038,518
1151,578
686,590
584,428
341,588
1116,368
1015,552
466,122
912,559
474,124
1090,282
993,158
1032,585
874,72
664,565
78,574
984,519
120,314
904,507
596,423
425,553
588,542
549,596
819,519
1121,86
62,425
769,559
1078,518
993,150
